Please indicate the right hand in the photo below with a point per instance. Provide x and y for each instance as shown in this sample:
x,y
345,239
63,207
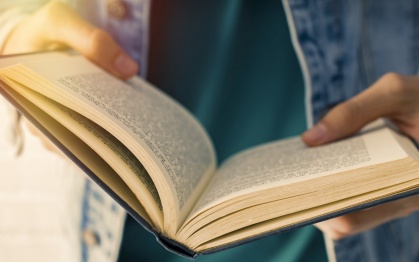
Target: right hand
x,y
393,96
57,26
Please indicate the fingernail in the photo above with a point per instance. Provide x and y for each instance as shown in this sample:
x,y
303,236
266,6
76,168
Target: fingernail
x,y
317,133
125,65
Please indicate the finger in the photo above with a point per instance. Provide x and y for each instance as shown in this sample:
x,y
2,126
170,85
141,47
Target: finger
x,y
92,42
357,222
380,100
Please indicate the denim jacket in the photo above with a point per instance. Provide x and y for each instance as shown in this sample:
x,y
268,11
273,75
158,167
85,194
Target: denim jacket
x,y
343,47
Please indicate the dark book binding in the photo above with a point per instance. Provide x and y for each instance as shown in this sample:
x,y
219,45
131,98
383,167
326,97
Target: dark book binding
x,y
170,244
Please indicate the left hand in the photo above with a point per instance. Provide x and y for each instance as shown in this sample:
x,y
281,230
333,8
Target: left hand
x,y
56,26
393,96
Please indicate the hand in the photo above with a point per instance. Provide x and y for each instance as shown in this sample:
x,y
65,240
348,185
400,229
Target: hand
x,y
393,96
57,26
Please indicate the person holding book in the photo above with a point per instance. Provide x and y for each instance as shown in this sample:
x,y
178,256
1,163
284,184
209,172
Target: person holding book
x,y
218,94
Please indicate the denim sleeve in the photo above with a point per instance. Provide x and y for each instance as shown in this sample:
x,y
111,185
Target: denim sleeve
x,y
345,46
394,241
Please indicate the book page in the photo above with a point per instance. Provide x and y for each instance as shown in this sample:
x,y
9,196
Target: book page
x,y
84,153
308,214
10,60
167,140
290,161
106,146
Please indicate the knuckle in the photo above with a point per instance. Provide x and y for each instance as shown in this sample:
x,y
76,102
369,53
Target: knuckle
x,y
348,225
50,19
52,9
395,84
397,90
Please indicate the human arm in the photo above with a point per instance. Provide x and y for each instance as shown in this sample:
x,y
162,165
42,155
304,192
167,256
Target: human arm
x,y
31,26
393,96
57,26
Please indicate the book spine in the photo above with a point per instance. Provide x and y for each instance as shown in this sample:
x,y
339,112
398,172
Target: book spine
x,y
176,247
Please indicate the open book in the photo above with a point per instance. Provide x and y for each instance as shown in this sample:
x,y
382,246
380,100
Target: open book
x,y
157,161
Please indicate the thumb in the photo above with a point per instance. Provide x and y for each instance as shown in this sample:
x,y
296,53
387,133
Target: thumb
x,y
347,118
70,29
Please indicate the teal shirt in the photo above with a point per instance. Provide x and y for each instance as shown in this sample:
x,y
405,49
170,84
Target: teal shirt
x,y
232,64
